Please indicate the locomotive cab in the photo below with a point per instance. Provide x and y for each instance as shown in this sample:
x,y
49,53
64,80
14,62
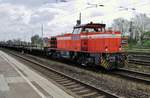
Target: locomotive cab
x,y
99,46
89,28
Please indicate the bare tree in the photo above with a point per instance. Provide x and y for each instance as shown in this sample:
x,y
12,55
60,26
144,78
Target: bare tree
x,y
140,23
121,25
136,27
36,40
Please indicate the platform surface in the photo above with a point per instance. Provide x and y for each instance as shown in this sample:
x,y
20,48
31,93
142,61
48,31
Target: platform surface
x,y
19,81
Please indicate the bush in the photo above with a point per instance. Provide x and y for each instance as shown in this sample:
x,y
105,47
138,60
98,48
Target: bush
x,y
146,43
147,33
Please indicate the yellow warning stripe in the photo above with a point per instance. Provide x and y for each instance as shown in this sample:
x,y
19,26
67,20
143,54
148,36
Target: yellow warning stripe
x,y
126,62
105,64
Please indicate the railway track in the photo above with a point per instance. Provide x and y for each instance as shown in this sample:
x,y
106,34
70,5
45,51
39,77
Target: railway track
x,y
130,75
140,62
142,56
123,73
134,75
139,59
76,86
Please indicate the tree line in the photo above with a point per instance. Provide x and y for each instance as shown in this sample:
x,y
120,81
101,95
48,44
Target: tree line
x,y
137,29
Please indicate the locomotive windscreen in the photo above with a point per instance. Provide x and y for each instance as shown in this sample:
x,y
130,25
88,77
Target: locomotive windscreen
x,y
91,27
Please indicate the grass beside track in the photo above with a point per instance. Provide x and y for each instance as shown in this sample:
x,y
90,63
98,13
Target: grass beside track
x,y
139,51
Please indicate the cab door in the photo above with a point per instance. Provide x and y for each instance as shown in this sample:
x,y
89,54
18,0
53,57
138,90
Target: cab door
x,y
84,43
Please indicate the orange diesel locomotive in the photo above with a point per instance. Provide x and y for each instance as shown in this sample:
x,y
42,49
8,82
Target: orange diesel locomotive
x,y
89,44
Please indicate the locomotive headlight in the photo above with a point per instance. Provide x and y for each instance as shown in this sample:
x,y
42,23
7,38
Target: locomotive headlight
x,y
106,49
120,48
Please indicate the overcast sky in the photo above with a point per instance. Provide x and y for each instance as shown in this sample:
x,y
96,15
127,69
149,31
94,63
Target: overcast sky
x,y
23,18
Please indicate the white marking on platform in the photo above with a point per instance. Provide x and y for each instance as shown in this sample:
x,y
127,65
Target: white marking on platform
x,y
49,87
15,80
21,74
3,84
49,97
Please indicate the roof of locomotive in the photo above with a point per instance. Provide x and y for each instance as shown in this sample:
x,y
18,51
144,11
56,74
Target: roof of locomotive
x,y
91,25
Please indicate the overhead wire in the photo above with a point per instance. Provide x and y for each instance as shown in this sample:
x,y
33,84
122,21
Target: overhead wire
x,y
127,8
77,12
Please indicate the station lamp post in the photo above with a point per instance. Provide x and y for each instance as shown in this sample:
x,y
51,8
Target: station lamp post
x,y
42,31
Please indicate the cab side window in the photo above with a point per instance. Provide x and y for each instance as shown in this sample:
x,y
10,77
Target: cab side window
x,y
77,31
86,30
